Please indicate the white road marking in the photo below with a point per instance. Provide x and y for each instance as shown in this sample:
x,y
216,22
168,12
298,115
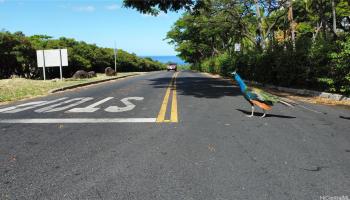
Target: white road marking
x,y
53,108
22,105
91,108
72,103
78,120
312,110
129,106
30,105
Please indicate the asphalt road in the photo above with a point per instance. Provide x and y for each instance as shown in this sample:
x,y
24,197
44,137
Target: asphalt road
x,y
158,136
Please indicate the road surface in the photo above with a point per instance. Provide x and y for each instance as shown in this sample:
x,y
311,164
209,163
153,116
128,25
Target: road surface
x,y
167,135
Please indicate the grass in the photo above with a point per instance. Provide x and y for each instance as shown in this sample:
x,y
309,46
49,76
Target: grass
x,y
20,88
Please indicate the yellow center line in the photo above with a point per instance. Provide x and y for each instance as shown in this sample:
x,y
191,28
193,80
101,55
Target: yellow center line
x,y
173,116
163,108
161,114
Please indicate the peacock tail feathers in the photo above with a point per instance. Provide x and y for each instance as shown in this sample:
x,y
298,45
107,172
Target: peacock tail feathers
x,y
265,95
256,95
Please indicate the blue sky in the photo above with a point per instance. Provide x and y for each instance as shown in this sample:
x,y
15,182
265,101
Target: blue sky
x,y
99,22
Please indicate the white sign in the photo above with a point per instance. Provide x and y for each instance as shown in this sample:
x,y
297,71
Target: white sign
x,y
52,57
237,47
345,22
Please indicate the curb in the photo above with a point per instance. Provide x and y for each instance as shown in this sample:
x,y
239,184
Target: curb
x,y
303,92
88,83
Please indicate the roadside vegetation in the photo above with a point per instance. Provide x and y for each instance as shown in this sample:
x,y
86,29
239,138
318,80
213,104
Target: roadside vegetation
x,y
21,88
293,43
18,57
184,67
289,43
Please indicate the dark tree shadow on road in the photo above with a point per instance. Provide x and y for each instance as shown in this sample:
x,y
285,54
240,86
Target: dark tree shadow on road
x,y
348,118
200,86
267,115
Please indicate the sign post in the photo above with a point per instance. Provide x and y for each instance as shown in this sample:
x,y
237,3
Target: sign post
x,y
115,58
44,66
61,65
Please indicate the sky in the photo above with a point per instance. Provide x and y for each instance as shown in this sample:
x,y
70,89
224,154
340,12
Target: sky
x,y
100,22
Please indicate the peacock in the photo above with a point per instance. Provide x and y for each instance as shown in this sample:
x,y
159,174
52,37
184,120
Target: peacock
x,y
258,97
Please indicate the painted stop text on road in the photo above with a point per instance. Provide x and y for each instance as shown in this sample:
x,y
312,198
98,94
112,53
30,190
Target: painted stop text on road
x,y
73,105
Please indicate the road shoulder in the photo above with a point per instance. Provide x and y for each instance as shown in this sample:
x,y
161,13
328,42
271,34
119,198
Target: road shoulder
x,y
75,86
303,98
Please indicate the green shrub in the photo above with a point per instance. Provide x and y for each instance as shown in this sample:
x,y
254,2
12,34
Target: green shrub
x,y
17,56
321,65
340,66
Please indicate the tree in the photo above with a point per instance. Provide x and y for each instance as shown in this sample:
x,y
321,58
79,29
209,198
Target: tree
x,y
294,36
18,56
154,6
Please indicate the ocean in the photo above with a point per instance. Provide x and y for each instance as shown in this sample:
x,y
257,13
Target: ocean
x,y
165,59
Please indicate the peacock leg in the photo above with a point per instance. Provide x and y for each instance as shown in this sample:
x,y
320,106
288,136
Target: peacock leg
x,y
252,112
263,116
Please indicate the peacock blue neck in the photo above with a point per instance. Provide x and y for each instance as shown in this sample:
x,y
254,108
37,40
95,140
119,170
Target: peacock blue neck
x,y
240,82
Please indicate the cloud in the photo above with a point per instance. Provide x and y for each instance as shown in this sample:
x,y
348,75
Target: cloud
x,y
111,7
84,8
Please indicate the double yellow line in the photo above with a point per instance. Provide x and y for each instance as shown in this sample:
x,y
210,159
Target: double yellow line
x,y
163,108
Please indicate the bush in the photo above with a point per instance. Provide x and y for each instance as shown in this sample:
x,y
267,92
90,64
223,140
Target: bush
x,y
340,66
18,56
322,65
221,64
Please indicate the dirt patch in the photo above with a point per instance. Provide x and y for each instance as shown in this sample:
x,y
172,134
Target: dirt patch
x,y
308,99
